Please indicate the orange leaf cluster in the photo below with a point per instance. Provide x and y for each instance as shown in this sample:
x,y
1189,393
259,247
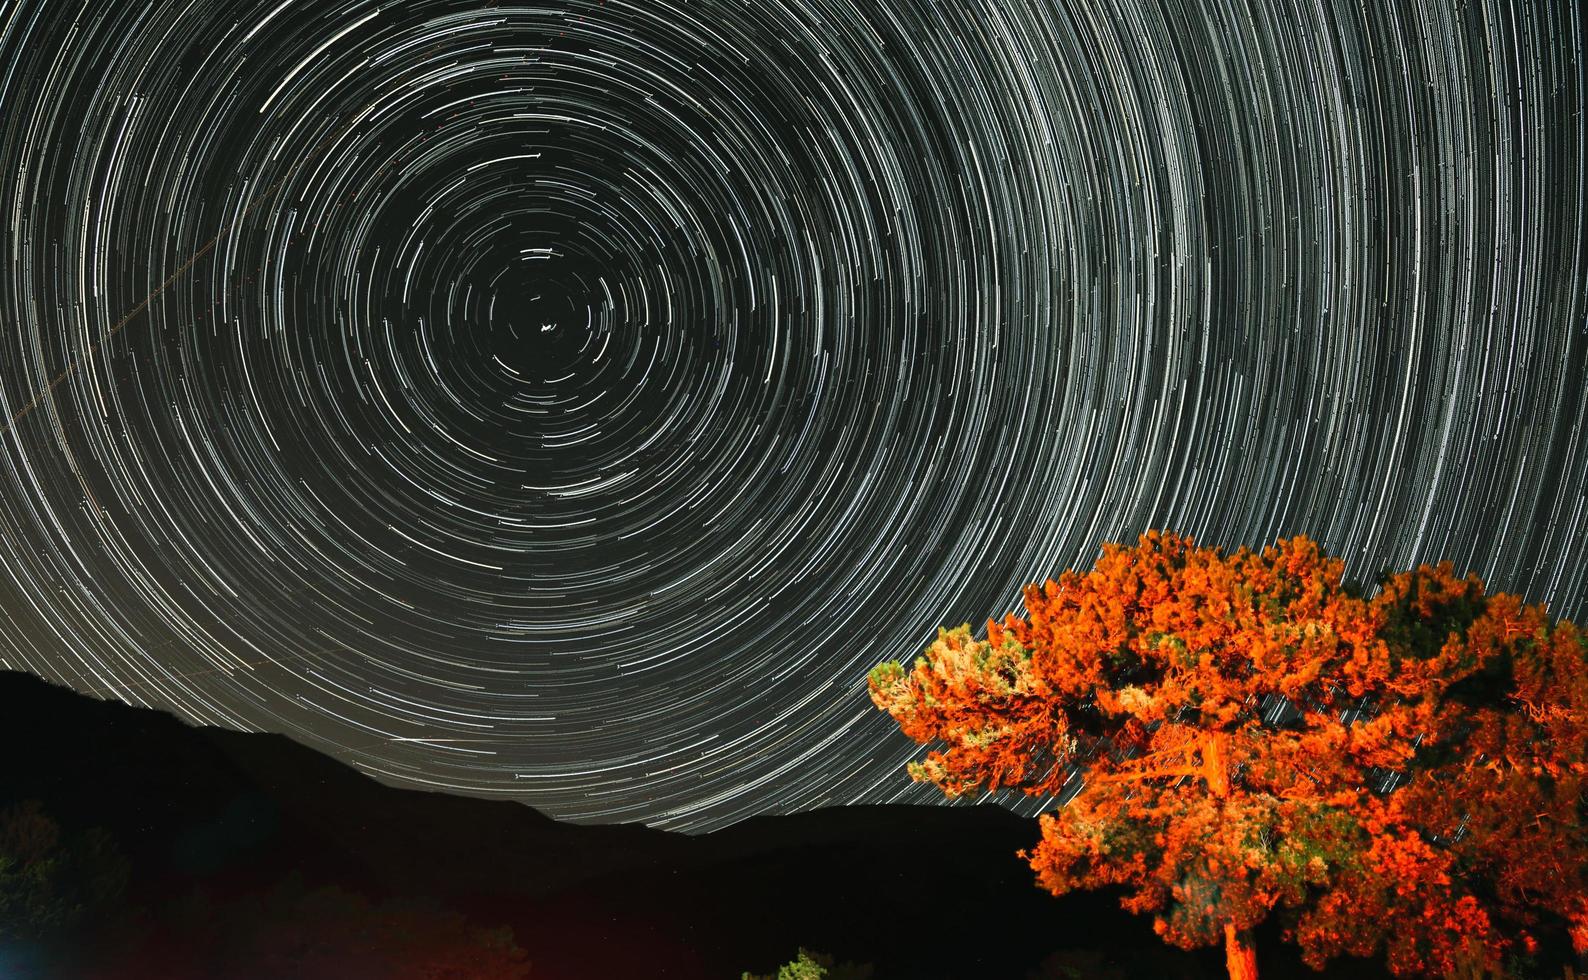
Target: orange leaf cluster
x,y
1401,773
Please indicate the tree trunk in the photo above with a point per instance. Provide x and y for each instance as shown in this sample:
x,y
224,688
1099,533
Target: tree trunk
x,y
1578,930
1240,955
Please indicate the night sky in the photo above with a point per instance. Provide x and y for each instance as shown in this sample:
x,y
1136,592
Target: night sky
x,y
572,402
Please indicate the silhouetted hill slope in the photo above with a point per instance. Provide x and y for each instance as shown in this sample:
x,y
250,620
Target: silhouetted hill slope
x,y
191,796
927,892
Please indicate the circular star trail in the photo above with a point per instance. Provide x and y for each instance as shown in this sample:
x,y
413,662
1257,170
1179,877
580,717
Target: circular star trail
x,y
570,402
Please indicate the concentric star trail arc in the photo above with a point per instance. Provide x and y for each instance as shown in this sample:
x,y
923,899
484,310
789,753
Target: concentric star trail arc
x,y
571,402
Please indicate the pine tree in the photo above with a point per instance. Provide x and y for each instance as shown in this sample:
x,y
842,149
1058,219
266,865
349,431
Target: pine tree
x,y
1243,735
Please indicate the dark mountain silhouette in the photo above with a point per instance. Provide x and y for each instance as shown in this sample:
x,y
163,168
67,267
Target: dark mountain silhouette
x,y
212,822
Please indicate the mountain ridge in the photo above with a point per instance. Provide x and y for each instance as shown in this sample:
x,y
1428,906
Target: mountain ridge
x,y
919,891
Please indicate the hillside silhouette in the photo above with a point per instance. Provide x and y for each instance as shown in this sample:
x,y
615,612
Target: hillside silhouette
x,y
239,846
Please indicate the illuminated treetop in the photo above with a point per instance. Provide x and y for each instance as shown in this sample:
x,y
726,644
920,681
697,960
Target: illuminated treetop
x,y
1401,773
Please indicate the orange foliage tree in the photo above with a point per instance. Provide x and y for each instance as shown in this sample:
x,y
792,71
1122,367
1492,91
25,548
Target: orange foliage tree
x,y
1401,774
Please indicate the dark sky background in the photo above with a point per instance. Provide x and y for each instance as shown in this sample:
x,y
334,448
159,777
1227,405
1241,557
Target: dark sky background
x,y
572,402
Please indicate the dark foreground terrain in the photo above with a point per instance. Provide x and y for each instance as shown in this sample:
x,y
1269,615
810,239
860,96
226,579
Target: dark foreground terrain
x,y
229,855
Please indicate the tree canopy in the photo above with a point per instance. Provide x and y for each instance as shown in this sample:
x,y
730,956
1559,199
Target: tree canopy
x,y
1398,774
50,880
